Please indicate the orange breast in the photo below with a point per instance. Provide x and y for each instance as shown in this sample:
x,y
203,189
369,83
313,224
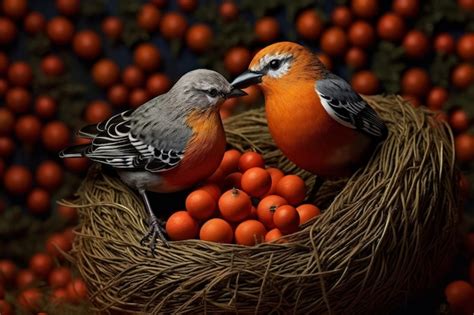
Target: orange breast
x,y
203,153
306,133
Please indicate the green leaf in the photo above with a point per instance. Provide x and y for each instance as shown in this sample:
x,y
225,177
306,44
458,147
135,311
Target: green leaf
x,y
387,64
440,69
38,45
133,34
93,8
464,99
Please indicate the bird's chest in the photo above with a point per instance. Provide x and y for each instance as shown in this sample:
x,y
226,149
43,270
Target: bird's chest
x,y
203,153
307,135
296,117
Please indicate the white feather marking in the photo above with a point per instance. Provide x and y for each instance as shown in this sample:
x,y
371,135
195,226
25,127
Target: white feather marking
x,y
332,113
265,60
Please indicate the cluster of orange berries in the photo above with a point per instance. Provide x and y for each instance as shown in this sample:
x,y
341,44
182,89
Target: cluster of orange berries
x,y
244,203
24,286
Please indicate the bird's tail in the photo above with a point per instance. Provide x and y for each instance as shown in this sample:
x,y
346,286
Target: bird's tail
x,y
74,151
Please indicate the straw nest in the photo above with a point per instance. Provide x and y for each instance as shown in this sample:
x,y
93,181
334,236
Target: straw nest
x,y
385,234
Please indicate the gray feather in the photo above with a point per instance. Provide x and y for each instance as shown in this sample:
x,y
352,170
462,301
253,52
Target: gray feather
x,y
347,107
154,137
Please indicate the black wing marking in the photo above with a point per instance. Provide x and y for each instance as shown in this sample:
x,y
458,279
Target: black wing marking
x,y
347,107
115,145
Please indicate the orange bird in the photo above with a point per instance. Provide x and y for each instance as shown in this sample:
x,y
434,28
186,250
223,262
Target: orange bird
x,y
316,119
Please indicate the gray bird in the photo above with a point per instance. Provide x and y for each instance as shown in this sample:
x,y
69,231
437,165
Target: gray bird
x,y
167,144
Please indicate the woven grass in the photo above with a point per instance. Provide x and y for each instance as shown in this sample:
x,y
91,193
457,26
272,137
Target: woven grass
x,y
385,234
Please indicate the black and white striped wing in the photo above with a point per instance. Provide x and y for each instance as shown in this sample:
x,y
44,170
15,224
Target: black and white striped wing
x,y
114,144
343,104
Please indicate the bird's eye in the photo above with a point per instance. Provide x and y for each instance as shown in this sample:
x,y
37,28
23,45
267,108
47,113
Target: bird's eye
x,y
213,92
275,64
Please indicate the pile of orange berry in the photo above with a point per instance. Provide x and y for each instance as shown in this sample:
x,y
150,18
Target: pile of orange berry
x,y
46,280
243,202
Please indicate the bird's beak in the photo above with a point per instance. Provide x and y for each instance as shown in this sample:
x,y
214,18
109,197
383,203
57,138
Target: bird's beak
x,y
235,93
247,78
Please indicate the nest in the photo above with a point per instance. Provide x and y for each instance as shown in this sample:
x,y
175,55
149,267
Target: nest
x,y
385,234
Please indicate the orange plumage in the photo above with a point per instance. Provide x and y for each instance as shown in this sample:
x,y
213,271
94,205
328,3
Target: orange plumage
x,y
306,132
203,153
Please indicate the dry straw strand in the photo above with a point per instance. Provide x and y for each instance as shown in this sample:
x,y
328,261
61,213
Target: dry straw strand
x,y
385,233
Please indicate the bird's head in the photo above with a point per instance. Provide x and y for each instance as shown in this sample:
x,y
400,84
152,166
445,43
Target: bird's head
x,y
280,64
204,88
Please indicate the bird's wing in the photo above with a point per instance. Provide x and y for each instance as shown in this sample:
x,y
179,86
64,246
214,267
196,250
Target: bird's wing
x,y
343,104
115,144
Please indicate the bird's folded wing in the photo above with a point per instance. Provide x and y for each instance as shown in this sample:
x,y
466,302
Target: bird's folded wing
x,y
343,104
115,144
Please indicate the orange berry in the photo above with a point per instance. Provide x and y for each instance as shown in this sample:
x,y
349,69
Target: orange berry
x,y
38,201
334,41
235,205
230,161
29,299
212,189
228,10
406,8
250,159
56,244
460,297
233,180
41,264
309,25
267,29
60,277
250,232
77,290
112,27
361,34
416,44
459,120
436,98
365,82
25,278
237,59
341,16
216,230
464,147
416,81
391,27
200,204
292,188
256,181
105,72
267,207
365,8
199,38
276,174
173,25
148,17
181,226
444,42
147,57
356,58
465,46
273,235
307,212
462,75
287,219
